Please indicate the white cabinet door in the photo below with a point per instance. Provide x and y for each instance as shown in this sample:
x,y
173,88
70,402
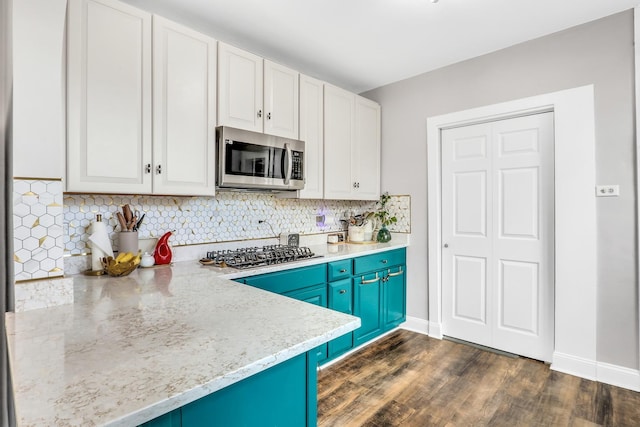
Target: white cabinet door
x,y
339,133
312,133
38,88
184,98
240,88
280,100
366,150
109,97
351,146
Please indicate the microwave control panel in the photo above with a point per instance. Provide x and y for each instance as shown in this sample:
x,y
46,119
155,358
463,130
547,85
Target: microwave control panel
x,y
298,163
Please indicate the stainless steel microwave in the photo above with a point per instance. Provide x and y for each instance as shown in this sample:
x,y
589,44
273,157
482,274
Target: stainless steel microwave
x,y
255,161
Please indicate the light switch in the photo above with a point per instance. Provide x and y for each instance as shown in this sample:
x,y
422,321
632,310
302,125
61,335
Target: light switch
x,y
607,190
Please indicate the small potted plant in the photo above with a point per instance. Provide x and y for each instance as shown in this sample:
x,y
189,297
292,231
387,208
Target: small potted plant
x,y
385,218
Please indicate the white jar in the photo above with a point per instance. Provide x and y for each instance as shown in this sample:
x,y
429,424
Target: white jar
x,y
356,233
147,260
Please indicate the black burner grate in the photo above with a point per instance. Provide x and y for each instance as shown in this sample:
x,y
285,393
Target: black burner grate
x,y
255,257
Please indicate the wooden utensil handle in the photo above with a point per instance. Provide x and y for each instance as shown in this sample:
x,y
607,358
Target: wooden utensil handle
x,y
121,220
128,214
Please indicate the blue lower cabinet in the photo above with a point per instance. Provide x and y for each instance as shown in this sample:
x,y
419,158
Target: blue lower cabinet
x,y
368,306
313,295
372,287
341,299
172,419
395,297
379,285
284,395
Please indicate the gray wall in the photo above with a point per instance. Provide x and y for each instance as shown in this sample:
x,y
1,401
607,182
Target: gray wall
x,y
598,53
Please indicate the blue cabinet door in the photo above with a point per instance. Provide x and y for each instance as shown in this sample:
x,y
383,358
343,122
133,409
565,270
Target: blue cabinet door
x,y
368,306
394,297
341,299
314,295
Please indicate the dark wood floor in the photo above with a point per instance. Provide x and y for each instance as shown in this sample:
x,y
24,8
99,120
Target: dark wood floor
x,y
408,379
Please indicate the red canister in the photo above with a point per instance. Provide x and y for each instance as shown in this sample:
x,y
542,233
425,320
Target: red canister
x,y
163,254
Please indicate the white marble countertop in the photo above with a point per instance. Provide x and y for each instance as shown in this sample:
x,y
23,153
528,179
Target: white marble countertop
x,y
130,349
133,348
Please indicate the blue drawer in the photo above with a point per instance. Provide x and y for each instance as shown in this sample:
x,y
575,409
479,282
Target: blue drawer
x,y
339,270
289,280
378,261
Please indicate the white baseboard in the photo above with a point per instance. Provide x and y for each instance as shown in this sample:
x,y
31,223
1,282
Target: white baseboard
x,y
618,376
422,326
435,330
574,365
607,373
416,324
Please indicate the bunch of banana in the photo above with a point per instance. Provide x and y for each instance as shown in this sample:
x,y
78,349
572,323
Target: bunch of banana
x,y
123,264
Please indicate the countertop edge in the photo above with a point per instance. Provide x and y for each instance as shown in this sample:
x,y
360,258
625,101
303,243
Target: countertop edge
x,y
162,407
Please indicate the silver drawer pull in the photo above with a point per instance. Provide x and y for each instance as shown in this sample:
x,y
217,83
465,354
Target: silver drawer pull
x,y
343,291
367,282
400,272
344,270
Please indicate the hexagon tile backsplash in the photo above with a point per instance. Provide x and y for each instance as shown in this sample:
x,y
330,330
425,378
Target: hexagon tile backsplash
x,y
49,225
227,217
38,225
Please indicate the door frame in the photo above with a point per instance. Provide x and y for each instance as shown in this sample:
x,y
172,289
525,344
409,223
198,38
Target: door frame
x,y
574,218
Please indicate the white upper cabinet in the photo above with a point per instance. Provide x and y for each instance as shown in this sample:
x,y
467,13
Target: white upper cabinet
x,y
312,133
366,149
184,110
240,84
256,94
110,148
351,146
280,100
38,88
339,133
109,97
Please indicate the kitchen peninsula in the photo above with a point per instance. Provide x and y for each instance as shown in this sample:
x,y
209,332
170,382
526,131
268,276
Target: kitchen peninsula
x,y
134,348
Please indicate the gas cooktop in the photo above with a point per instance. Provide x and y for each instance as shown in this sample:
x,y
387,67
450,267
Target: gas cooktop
x,y
256,256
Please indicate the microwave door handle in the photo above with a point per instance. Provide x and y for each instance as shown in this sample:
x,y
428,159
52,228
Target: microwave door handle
x,y
289,160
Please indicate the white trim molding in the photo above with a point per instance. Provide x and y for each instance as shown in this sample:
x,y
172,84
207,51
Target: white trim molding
x,y
573,365
415,324
574,217
636,38
618,376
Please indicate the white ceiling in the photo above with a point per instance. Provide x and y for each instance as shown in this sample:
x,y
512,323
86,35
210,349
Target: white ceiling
x,y
364,44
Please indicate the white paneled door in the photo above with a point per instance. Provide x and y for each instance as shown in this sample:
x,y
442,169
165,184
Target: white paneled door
x,y
497,234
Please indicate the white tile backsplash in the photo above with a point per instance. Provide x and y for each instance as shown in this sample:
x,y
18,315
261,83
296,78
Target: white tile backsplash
x,y
227,217
37,229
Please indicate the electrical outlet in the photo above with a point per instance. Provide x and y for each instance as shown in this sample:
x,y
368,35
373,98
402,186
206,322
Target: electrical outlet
x,y
607,190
